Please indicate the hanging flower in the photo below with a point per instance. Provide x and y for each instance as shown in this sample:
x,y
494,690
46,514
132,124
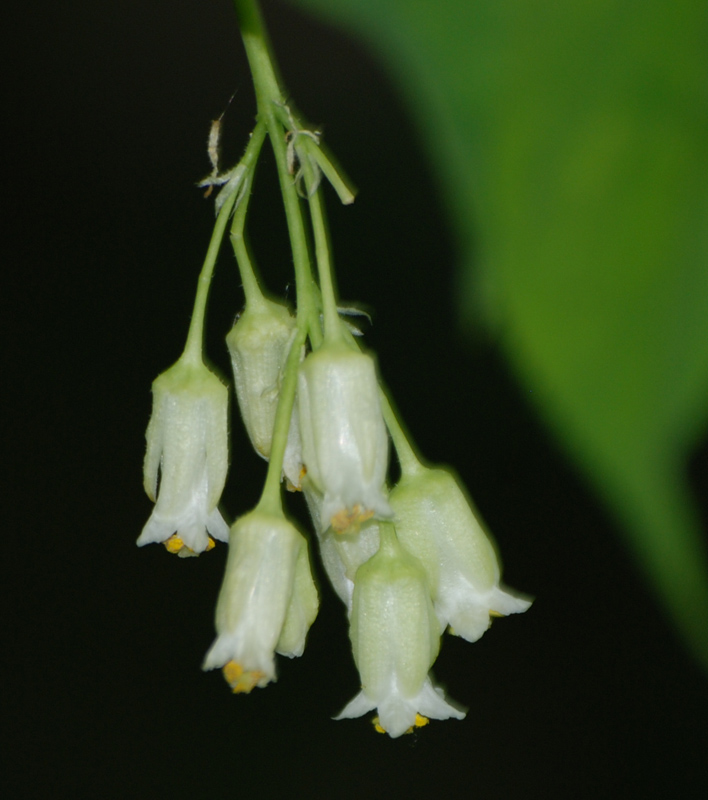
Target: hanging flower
x,y
267,601
436,523
344,439
395,640
187,444
258,344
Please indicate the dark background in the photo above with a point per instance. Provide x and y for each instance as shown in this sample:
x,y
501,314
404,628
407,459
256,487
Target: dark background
x,y
107,107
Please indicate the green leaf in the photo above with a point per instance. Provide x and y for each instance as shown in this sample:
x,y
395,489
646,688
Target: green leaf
x,y
572,140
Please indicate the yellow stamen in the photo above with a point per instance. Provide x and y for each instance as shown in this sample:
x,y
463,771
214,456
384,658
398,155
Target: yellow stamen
x,y
495,614
240,680
350,518
420,721
174,544
377,725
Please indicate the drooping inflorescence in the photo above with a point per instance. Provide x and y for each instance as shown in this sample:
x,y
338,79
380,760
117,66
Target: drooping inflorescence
x,y
409,561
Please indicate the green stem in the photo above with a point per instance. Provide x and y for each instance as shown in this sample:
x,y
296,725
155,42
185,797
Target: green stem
x,y
195,336
407,457
251,288
307,291
331,172
269,98
262,64
332,325
270,501
388,540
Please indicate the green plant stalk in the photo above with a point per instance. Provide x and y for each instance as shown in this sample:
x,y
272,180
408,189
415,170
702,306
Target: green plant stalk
x,y
407,457
251,288
195,336
332,324
270,99
271,501
331,172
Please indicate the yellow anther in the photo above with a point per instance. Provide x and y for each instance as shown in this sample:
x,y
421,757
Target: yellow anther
x,y
232,672
420,721
240,680
345,519
174,544
495,614
377,725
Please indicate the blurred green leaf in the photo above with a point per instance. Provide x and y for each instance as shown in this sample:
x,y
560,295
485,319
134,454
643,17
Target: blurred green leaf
x,y
571,142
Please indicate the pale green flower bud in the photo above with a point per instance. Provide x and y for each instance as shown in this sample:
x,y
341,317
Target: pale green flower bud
x,y
344,438
187,443
267,600
436,523
395,639
258,344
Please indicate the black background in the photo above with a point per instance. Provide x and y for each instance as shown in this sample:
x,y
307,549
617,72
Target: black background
x,y
107,107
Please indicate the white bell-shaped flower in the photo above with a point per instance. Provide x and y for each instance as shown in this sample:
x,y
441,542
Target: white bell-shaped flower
x,y
344,438
258,345
395,639
267,601
187,444
435,522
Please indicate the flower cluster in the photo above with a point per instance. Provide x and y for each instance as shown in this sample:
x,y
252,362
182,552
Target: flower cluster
x,y
409,561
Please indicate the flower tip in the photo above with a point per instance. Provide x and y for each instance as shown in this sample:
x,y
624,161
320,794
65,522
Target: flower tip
x,y
507,601
419,722
175,545
184,536
243,681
